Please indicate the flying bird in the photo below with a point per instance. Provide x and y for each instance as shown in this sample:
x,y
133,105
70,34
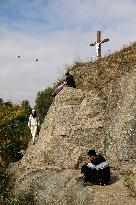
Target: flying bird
x,y
35,59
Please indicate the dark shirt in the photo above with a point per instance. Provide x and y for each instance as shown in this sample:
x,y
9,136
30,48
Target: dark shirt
x,y
70,81
97,171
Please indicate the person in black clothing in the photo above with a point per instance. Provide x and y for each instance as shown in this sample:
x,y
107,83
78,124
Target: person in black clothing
x,y
70,80
96,171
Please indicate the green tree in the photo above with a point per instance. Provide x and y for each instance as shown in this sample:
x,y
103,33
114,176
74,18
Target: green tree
x,y
25,104
14,132
43,102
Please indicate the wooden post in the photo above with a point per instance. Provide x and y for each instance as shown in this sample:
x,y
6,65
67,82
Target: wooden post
x,y
98,43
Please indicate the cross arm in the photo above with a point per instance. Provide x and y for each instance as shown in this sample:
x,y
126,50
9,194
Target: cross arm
x,y
104,40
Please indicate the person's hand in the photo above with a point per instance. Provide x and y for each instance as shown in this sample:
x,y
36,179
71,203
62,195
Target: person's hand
x,y
82,176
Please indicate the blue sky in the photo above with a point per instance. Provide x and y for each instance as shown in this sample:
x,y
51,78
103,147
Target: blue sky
x,y
57,32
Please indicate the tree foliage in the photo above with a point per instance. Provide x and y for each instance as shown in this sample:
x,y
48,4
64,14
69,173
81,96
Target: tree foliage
x,y
14,133
43,101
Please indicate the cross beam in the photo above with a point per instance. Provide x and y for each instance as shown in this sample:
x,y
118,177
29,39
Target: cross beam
x,y
98,44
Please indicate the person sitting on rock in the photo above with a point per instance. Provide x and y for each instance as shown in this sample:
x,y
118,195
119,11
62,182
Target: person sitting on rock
x,y
96,171
70,80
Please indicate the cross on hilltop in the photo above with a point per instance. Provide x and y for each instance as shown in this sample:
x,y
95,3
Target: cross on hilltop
x,y
98,44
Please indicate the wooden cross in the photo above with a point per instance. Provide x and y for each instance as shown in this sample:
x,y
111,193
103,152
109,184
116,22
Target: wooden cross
x,y
98,44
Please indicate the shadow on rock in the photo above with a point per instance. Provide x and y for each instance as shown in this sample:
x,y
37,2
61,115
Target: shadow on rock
x,y
114,179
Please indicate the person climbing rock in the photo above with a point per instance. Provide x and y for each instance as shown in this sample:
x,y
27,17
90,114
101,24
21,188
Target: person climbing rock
x,y
70,80
96,171
33,124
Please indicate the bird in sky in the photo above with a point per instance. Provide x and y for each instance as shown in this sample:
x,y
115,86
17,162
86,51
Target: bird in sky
x,y
35,59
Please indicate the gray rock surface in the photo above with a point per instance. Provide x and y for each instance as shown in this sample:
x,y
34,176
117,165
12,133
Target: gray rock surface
x,y
77,121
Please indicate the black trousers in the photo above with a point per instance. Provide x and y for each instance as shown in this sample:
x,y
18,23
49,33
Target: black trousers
x,y
99,177
89,174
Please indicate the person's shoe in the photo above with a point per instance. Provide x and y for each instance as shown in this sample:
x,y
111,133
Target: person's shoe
x,y
54,94
33,142
87,184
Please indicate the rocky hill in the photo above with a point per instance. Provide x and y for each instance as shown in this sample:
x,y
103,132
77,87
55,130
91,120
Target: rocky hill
x,y
99,114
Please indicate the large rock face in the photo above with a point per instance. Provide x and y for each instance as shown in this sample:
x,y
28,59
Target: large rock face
x,y
77,121
121,140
